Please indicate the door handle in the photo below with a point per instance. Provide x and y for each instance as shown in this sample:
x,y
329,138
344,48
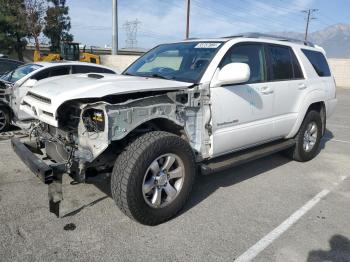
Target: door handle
x,y
301,86
266,90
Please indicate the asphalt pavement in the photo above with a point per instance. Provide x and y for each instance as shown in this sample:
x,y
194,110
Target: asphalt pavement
x,y
272,209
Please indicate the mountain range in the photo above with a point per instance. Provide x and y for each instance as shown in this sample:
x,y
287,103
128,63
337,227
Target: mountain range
x,y
334,39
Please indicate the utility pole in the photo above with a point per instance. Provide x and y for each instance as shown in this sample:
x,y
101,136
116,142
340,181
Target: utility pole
x,y
309,13
115,27
188,19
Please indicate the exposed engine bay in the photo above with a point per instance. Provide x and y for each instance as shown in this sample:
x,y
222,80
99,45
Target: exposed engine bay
x,y
91,133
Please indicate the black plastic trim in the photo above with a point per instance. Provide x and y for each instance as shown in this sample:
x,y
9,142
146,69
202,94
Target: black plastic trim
x,y
43,171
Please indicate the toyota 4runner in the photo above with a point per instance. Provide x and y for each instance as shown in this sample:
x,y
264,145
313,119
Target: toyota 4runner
x,y
200,105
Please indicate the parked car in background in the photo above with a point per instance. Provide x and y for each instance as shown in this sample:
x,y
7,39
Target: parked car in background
x,y
7,65
16,83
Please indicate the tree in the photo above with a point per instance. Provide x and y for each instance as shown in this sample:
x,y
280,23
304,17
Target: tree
x,y
35,11
57,23
12,27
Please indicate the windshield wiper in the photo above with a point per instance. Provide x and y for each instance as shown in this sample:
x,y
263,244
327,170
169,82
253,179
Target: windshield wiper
x,y
128,74
155,75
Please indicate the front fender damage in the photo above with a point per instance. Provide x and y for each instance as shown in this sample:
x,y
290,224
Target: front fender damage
x,y
187,109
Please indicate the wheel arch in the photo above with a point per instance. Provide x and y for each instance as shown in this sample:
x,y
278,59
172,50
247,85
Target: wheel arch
x,y
313,101
160,123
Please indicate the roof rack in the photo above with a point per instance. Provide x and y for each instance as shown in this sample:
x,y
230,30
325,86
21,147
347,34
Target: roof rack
x,y
272,37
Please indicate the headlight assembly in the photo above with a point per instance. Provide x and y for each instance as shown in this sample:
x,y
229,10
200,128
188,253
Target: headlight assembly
x,y
94,120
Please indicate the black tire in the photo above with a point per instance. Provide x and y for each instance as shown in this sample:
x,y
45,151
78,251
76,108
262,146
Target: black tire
x,y
298,153
130,168
5,119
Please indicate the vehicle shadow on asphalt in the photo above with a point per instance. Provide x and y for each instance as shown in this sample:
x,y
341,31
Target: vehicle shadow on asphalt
x,y
207,185
328,135
339,251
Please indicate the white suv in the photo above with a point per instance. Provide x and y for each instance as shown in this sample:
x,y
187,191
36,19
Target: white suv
x,y
207,103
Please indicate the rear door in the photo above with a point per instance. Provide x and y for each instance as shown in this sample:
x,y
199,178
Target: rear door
x,y
287,80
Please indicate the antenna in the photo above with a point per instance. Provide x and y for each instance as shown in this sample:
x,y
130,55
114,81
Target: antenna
x,y
131,28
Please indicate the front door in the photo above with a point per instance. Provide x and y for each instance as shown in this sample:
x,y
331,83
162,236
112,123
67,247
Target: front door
x,y
242,113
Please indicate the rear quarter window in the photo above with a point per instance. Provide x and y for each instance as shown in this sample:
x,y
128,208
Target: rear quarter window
x,y
318,61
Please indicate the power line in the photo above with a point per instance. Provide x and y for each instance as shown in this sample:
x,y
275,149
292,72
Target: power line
x,y
242,13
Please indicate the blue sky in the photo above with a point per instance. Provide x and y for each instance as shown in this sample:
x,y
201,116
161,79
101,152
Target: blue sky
x,y
164,20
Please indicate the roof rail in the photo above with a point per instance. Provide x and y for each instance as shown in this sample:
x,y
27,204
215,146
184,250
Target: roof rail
x,y
272,37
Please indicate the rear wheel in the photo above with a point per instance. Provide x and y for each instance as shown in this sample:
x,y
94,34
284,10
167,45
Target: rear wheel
x,y
152,178
308,138
4,119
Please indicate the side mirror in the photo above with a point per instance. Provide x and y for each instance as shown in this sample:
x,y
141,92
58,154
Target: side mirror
x,y
233,73
30,83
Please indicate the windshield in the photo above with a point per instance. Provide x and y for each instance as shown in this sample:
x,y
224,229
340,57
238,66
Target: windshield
x,y
20,72
181,61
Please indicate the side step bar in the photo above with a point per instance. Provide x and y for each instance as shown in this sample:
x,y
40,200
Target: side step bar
x,y
228,161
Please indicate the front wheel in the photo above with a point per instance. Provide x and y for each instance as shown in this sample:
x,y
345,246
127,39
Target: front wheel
x,y
152,178
308,138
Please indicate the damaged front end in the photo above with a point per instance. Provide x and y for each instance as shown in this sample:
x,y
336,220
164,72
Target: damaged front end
x,y
91,133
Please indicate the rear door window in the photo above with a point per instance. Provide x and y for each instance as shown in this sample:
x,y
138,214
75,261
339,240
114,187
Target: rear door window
x,y
281,66
50,72
60,71
318,61
41,75
90,69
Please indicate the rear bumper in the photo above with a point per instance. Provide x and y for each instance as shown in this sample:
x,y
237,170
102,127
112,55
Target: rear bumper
x,y
46,173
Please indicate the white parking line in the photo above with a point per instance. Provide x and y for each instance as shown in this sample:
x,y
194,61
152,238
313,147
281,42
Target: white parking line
x,y
278,231
336,140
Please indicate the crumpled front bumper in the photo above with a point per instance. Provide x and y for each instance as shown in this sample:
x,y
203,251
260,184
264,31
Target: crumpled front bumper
x,y
50,174
42,170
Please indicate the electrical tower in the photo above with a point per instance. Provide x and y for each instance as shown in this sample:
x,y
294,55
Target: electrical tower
x,y
309,17
131,28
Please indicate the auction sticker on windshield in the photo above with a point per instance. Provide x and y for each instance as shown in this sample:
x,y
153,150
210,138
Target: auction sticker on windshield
x,y
207,45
